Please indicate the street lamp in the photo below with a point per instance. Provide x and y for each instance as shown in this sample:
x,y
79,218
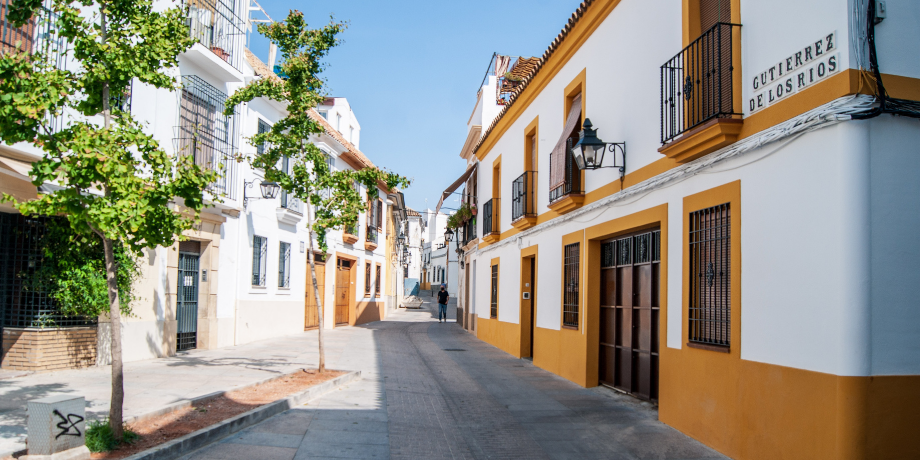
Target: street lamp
x,y
589,150
269,190
448,235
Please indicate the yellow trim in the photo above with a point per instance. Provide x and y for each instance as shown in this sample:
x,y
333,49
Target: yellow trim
x,y
496,262
577,86
572,238
531,137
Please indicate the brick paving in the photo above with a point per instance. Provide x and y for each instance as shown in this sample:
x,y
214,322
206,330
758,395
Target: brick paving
x,y
432,391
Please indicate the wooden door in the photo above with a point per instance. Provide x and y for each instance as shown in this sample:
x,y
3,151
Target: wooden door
x,y
311,309
629,314
342,290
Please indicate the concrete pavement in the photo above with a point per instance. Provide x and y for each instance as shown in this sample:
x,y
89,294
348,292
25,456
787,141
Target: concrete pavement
x,y
433,391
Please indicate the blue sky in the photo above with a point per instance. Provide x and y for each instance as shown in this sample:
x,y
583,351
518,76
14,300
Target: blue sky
x,y
411,69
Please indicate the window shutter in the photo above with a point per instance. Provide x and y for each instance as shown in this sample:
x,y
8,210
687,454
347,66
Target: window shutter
x,y
560,152
380,214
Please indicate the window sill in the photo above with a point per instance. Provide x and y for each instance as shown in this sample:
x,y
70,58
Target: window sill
x,y
703,346
568,203
571,328
348,238
703,139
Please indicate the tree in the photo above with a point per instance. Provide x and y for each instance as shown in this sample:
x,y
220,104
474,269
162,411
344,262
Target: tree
x,y
118,185
333,196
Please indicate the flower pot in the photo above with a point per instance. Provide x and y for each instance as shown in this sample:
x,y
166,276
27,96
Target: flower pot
x,y
473,211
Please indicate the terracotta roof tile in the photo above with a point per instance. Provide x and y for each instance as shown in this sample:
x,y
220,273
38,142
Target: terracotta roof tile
x,y
536,66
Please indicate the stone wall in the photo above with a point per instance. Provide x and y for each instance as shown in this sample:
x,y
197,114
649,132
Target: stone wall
x,y
48,349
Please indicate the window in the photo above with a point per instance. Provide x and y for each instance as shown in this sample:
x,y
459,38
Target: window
x,y
367,278
284,265
262,129
259,256
205,133
324,114
710,283
570,294
493,308
405,272
377,282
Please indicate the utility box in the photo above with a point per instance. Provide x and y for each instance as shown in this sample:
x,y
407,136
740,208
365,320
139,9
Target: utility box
x,y
57,428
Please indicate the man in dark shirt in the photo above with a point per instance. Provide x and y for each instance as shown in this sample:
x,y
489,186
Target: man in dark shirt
x,y
442,303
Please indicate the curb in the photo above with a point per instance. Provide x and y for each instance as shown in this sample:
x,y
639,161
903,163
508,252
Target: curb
x,y
201,438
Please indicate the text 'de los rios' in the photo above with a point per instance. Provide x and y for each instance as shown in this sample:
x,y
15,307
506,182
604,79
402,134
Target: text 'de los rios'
x,y
800,70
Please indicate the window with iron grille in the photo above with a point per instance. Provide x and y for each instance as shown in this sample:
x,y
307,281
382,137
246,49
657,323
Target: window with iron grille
x,y
710,280
493,307
284,265
367,278
217,25
377,281
570,301
263,128
205,133
259,260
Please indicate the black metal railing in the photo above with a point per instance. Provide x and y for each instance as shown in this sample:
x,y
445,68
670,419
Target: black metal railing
x,y
469,231
490,212
572,184
351,230
371,236
522,196
696,84
217,25
206,134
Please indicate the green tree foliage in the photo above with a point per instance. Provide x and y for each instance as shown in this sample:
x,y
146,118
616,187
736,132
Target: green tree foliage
x,y
332,195
117,182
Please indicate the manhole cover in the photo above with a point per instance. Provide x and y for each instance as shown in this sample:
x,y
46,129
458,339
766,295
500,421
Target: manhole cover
x,y
454,349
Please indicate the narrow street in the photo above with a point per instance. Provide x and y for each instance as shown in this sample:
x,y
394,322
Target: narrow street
x,y
431,390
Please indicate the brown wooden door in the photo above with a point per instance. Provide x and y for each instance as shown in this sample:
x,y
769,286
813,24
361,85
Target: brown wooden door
x,y
311,309
342,290
629,314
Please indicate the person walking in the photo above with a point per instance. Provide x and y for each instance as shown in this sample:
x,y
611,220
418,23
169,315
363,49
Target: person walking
x,y
442,303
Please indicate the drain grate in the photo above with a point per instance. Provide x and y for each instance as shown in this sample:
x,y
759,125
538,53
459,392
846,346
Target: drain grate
x,y
454,349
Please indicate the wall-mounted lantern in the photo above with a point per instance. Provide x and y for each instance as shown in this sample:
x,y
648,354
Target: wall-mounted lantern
x,y
589,150
269,190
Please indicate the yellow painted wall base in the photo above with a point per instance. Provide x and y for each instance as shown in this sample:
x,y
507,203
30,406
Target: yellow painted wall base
x,y
366,312
505,336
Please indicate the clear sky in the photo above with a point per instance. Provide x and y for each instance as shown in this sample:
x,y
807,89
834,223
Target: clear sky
x,y
411,69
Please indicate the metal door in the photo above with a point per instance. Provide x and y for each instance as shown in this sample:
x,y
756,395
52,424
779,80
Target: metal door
x,y
187,301
342,290
629,314
311,310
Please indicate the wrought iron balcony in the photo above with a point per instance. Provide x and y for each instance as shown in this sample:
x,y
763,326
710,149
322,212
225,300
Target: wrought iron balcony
x,y
490,213
469,231
696,84
217,25
572,184
522,196
371,235
206,134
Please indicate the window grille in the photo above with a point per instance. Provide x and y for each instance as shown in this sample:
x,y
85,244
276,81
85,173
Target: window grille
x,y
217,26
259,260
377,281
262,129
710,280
206,134
493,308
632,250
367,278
284,265
570,301
23,303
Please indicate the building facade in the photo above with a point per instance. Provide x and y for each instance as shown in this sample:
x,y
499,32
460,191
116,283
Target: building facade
x,y
243,273
739,256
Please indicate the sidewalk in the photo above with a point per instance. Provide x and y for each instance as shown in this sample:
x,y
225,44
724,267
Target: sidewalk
x,y
152,384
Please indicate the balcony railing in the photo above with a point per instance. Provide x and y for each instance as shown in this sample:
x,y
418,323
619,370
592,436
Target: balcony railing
x,y
522,196
371,236
696,84
291,202
217,25
490,213
469,231
572,184
206,134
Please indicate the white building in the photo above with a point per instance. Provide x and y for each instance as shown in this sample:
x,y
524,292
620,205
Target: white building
x,y
749,269
242,275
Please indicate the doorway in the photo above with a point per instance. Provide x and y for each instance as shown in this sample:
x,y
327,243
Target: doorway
x,y
629,314
187,296
311,309
528,304
342,290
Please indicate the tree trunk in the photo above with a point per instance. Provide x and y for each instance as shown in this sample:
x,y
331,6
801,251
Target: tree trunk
x,y
319,302
118,377
116,421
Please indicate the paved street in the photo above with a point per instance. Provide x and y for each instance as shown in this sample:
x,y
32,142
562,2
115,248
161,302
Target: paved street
x,y
432,391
